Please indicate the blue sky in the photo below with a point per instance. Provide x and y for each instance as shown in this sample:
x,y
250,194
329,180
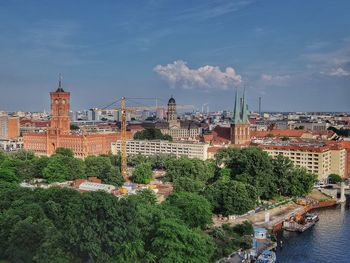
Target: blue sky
x,y
294,54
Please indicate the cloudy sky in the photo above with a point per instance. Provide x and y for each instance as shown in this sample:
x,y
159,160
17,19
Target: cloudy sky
x,y
294,54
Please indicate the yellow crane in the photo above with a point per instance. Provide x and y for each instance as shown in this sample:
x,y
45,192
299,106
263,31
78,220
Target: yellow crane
x,y
123,110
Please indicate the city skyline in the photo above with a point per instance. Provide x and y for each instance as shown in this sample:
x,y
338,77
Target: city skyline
x,y
294,55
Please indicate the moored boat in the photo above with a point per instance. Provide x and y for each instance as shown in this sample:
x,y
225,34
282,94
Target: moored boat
x,y
311,217
267,256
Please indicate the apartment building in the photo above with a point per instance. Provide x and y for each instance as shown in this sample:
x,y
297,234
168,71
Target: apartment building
x,y
154,147
319,159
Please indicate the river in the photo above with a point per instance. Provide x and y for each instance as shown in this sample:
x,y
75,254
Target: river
x,y
327,241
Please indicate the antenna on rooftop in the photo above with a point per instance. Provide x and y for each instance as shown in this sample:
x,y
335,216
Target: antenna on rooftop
x,y
60,80
259,105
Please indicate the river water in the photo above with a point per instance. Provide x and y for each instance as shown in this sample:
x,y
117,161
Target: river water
x,y
327,241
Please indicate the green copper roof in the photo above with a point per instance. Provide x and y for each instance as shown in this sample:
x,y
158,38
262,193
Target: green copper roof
x,y
240,110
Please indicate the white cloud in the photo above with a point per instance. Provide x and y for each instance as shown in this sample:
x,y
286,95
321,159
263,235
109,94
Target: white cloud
x,y
339,72
268,77
207,78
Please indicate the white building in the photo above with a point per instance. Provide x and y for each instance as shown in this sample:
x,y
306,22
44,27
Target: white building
x,y
154,147
90,186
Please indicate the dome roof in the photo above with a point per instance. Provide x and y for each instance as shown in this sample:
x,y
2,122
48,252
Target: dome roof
x,y
171,100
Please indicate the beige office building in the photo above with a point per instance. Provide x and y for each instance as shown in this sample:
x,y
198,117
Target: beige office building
x,y
154,147
182,134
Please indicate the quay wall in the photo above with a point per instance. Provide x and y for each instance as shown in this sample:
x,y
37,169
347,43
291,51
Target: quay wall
x,y
277,227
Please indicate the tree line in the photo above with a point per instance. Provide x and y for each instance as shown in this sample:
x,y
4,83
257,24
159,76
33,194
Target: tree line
x,y
61,166
63,225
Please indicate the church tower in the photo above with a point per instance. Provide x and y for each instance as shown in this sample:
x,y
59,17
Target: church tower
x,y
171,114
60,106
240,126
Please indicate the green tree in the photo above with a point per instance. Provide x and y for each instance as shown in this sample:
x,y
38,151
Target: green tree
x,y
57,169
151,134
192,208
228,239
250,165
39,164
174,242
282,169
231,198
65,152
302,182
191,168
142,173
22,155
8,171
186,184
144,196
101,167
334,179
77,168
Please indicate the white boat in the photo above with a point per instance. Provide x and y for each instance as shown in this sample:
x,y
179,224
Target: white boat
x,y
267,256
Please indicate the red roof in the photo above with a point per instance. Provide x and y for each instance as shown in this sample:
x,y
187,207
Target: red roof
x,y
294,147
288,133
214,149
279,133
221,135
136,127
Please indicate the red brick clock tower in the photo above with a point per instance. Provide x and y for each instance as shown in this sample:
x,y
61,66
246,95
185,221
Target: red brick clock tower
x,y
60,106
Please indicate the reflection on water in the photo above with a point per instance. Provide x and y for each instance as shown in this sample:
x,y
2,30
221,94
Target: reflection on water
x,y
327,241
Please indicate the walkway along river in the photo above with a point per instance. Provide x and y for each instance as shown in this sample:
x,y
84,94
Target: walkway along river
x,y
328,241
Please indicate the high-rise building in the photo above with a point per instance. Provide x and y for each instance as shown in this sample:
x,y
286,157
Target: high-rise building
x,y
240,126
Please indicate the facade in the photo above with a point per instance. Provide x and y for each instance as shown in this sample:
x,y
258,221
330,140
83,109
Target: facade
x,y
9,127
240,126
181,133
319,159
175,129
154,147
171,114
59,135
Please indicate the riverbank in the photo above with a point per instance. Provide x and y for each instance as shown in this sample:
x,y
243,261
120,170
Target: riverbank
x,y
279,214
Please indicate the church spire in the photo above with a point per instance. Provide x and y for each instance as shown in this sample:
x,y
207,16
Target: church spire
x,y
236,111
244,109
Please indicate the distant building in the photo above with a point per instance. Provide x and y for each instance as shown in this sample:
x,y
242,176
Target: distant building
x,y
176,129
154,147
59,134
93,115
171,114
182,133
9,127
237,133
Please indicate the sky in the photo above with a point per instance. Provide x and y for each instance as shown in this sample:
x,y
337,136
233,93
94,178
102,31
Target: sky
x,y
293,54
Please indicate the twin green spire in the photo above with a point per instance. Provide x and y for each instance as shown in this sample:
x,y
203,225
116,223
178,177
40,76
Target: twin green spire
x,y
240,111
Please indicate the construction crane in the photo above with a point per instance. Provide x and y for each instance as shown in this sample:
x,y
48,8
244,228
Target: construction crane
x,y
123,110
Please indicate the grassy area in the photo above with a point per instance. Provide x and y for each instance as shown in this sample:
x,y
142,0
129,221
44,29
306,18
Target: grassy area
x,y
317,195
